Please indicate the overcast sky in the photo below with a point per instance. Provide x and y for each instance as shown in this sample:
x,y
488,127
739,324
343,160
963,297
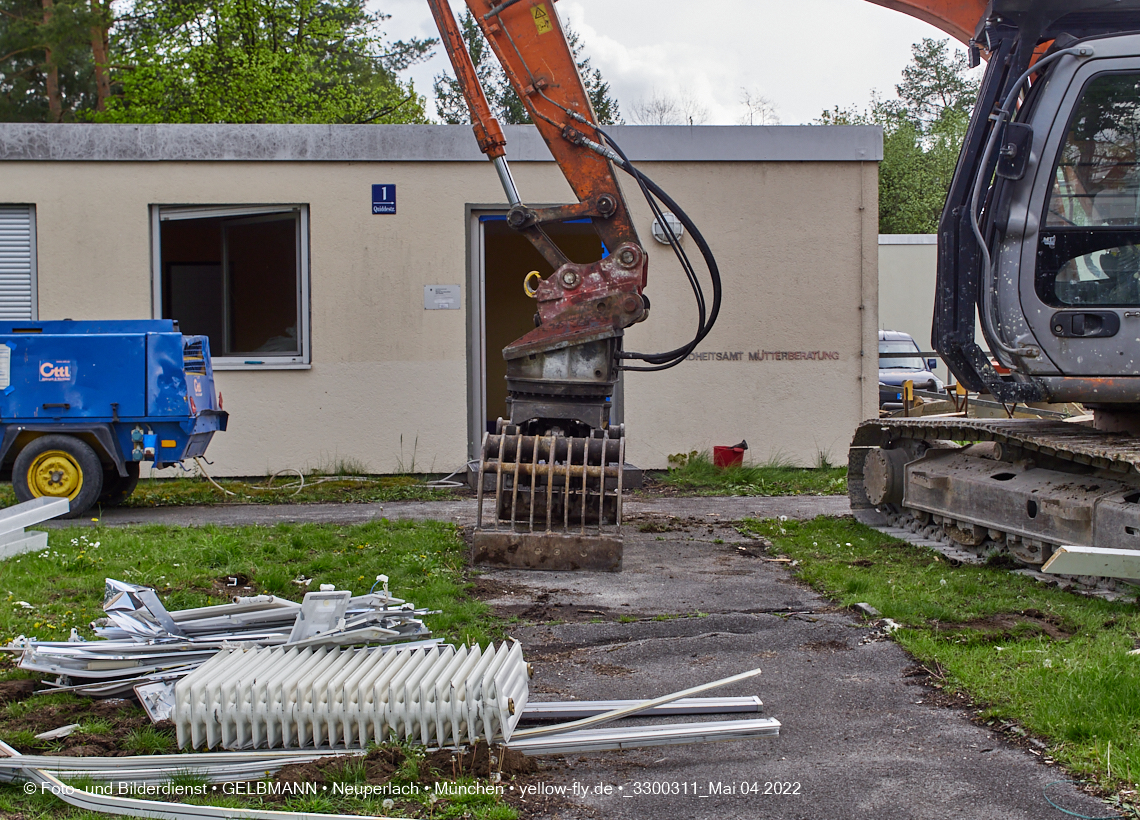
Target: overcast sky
x,y
803,55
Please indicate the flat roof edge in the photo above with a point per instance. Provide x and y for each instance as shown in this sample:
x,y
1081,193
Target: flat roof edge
x,y
421,143
908,239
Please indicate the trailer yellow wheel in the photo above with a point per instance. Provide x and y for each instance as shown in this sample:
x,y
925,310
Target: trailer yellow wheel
x,y
56,474
58,466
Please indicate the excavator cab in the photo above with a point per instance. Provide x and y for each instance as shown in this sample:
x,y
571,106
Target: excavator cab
x,y
1040,240
1067,227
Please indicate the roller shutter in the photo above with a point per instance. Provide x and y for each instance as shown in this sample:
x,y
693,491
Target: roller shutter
x,y
17,262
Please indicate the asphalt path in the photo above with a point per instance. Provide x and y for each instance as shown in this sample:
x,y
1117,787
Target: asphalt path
x,y
460,510
863,734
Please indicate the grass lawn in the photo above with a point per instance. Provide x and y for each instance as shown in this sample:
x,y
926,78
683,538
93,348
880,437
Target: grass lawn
x,y
191,566
1055,663
46,594
695,474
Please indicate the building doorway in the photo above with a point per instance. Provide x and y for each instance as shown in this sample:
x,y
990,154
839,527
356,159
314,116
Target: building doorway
x,y
500,311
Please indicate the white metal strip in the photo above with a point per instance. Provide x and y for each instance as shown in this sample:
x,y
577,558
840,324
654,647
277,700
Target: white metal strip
x,y
636,737
573,709
617,714
1099,561
133,807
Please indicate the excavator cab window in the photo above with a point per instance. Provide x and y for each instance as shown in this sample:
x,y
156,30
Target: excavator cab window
x,y
1089,251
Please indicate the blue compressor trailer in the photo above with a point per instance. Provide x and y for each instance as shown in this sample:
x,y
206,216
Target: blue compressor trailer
x,y
83,404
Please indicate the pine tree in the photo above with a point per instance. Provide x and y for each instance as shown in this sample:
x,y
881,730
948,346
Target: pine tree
x,y
451,107
216,61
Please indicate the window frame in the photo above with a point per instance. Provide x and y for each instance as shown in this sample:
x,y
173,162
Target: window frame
x,y
1046,225
1046,267
167,213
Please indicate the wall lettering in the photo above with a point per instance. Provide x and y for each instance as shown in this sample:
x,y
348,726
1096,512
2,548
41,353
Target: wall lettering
x,y
765,356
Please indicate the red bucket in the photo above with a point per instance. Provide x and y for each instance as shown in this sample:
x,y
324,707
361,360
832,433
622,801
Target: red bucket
x,y
728,456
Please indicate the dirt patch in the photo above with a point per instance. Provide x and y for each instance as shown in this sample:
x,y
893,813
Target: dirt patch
x,y
826,646
111,721
1004,625
610,670
70,594
537,608
11,690
757,548
378,767
513,768
486,588
540,609
862,562
478,761
232,586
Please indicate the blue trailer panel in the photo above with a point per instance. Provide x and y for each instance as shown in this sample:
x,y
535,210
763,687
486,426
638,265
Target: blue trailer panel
x,y
115,393
72,377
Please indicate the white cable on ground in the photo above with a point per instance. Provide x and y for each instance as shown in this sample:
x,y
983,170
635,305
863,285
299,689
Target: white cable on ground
x,y
111,804
269,481
443,482
440,482
202,467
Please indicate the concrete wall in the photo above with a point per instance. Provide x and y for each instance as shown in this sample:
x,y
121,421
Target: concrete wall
x,y
908,267
790,213
908,274
800,275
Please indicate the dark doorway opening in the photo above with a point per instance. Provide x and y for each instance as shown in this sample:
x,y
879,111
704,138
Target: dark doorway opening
x,y
508,312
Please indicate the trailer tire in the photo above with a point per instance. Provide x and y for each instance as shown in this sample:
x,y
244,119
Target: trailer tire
x,y
59,466
118,488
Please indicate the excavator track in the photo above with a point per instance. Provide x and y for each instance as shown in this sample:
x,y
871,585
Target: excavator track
x,y
1084,477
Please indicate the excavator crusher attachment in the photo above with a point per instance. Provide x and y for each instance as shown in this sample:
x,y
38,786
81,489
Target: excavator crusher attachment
x,y
557,500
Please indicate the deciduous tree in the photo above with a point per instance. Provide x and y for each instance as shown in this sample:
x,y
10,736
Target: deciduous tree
x,y
922,134
661,108
215,61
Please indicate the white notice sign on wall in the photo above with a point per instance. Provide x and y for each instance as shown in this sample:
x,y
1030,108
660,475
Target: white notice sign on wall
x,y
5,367
441,297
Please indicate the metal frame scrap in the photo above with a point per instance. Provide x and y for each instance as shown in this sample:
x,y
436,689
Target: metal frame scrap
x,y
143,645
13,539
576,736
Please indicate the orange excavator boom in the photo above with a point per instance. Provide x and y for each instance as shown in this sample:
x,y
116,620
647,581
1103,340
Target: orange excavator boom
x,y
958,18
529,42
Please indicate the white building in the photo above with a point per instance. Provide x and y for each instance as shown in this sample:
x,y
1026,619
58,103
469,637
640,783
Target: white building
x,y
323,313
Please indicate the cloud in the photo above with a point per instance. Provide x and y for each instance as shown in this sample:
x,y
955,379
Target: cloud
x,y
805,56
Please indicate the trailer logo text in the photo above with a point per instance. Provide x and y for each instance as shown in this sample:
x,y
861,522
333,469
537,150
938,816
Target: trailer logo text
x,y
56,371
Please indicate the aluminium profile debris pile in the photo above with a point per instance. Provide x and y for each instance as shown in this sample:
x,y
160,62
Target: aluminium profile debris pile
x,y
283,697
141,643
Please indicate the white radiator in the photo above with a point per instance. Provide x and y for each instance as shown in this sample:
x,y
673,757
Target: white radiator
x,y
290,698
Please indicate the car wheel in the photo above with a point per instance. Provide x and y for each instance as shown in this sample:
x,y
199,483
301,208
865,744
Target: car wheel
x,y
59,467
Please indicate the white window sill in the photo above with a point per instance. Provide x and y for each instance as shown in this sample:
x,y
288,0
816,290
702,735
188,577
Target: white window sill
x,y
234,364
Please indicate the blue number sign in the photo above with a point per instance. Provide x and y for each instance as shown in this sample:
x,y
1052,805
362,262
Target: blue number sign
x,y
383,199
